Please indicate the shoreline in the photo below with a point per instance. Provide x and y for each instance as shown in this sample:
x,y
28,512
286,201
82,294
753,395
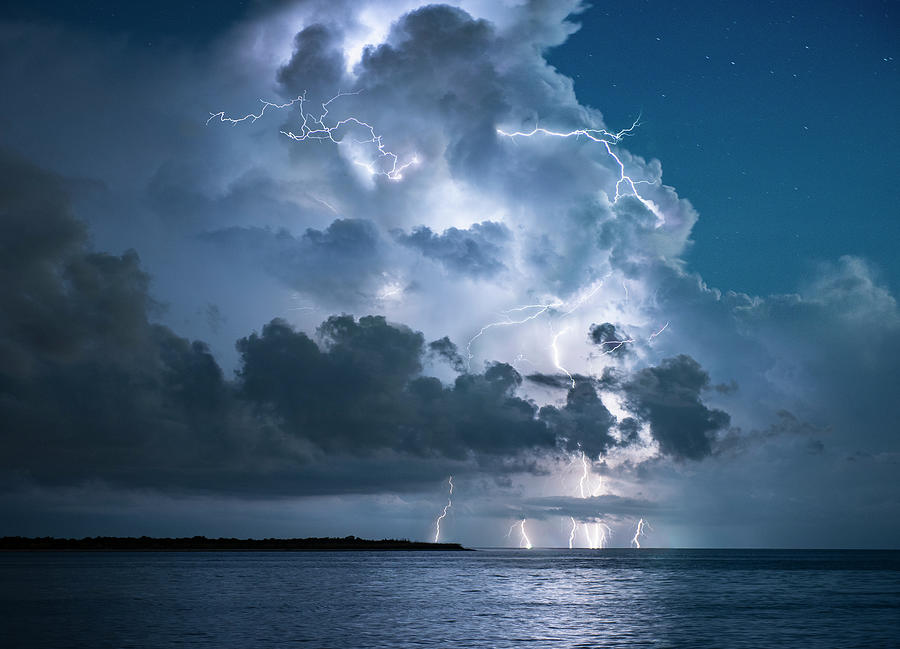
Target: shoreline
x,y
204,544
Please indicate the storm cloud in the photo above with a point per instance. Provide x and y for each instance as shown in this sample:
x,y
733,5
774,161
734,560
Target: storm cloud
x,y
340,264
139,243
87,374
477,251
668,397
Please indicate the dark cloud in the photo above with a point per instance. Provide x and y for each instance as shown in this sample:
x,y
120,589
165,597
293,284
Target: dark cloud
x,y
787,424
363,392
464,101
445,349
90,388
550,380
59,302
340,264
583,423
668,398
316,66
590,509
477,251
726,388
629,429
610,341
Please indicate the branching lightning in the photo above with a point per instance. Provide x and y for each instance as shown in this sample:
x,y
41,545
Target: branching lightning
x,y
437,523
639,532
607,139
316,128
536,309
597,534
617,343
384,162
524,541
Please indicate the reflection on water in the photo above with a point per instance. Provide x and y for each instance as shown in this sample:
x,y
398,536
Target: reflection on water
x,y
490,598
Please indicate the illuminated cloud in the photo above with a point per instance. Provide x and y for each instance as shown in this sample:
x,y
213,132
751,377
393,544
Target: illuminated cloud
x,y
100,378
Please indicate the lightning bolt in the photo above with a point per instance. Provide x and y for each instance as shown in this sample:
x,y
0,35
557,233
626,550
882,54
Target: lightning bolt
x,y
524,541
617,343
521,358
585,479
639,532
597,534
437,523
326,204
538,310
584,475
315,128
587,295
388,164
556,355
607,139
654,335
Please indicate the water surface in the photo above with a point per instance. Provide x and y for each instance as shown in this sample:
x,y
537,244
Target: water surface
x,y
489,598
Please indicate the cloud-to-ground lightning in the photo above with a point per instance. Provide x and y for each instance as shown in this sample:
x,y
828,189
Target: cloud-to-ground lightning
x,y
524,541
639,532
596,533
352,129
316,128
607,139
437,523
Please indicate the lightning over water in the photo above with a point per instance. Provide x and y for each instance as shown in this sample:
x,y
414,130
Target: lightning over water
x,y
596,533
443,514
327,262
524,541
638,533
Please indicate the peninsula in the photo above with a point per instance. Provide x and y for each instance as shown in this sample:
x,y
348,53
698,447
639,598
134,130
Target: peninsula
x,y
201,543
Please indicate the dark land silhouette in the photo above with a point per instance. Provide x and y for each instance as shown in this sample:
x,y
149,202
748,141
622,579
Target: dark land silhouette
x,y
147,543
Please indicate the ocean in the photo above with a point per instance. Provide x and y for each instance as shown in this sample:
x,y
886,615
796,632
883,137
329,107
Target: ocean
x,y
487,598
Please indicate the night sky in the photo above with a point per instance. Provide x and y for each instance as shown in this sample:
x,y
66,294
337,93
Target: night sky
x,y
260,327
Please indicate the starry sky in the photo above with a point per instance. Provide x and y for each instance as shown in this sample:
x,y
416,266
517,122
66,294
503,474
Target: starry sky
x,y
763,114
208,327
